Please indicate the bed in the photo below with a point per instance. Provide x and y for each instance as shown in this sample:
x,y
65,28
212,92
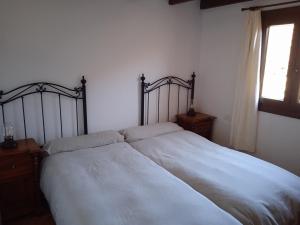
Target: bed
x,y
99,179
252,190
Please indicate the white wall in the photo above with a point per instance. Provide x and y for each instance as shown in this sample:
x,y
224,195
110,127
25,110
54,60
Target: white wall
x,y
221,39
111,41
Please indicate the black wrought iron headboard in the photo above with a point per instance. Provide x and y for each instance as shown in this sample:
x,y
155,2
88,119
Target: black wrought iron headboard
x,y
146,88
77,93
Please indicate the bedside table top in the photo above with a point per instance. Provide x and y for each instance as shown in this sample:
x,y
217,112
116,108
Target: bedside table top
x,y
198,117
23,146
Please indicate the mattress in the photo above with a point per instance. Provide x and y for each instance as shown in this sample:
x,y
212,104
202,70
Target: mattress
x,y
116,185
252,190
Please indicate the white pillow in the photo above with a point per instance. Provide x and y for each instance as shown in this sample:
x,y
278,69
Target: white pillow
x,y
141,132
83,142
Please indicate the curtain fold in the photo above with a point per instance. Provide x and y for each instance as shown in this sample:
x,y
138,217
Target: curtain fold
x,y
243,135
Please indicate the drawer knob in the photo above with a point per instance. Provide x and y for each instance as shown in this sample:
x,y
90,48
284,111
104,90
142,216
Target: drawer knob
x,y
13,166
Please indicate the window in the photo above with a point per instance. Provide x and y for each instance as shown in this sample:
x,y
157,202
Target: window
x,y
280,90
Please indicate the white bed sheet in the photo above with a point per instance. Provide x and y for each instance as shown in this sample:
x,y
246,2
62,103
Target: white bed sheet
x,y
253,191
115,185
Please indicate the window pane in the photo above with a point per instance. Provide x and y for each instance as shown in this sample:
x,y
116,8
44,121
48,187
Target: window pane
x,y
277,61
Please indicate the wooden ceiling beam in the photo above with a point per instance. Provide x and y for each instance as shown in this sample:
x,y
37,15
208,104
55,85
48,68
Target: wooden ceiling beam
x,y
206,4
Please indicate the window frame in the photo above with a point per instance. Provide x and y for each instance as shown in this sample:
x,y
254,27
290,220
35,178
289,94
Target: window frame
x,y
290,106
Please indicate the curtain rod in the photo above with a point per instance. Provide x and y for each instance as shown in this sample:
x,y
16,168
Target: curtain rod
x,y
271,5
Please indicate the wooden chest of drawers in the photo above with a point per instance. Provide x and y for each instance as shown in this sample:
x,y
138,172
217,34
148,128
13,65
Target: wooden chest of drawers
x,y
19,179
201,124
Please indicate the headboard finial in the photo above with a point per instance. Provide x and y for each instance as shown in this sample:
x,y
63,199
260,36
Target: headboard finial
x,y
192,94
83,88
142,98
83,80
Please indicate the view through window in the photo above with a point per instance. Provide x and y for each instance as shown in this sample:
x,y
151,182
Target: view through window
x,y
277,61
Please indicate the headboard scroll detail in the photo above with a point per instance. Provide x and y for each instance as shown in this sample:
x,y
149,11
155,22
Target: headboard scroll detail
x,y
77,93
148,87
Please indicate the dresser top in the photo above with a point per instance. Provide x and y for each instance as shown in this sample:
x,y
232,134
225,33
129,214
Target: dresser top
x,y
23,146
198,117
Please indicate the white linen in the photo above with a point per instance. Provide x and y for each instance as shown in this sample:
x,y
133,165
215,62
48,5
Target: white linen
x,y
82,142
253,191
141,132
116,185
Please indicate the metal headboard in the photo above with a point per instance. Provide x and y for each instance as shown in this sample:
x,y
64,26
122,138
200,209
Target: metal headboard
x,y
77,93
146,88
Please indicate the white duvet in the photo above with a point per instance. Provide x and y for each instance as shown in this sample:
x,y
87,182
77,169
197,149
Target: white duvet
x,y
253,191
115,185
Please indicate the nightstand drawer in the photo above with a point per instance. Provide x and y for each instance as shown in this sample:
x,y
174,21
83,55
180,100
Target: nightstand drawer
x,y
203,129
201,124
19,179
17,197
15,166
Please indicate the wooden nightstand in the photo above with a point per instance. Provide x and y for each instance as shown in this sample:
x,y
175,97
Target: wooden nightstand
x,y
19,179
201,124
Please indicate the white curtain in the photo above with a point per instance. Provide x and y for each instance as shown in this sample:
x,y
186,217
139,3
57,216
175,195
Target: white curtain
x,y
243,133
